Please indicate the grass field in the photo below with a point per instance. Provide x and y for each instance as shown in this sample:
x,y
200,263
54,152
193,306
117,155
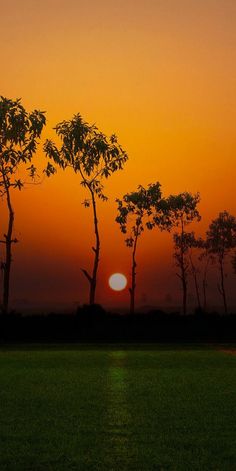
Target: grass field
x,y
117,408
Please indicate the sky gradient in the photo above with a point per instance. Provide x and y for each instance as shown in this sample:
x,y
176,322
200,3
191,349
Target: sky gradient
x,y
159,74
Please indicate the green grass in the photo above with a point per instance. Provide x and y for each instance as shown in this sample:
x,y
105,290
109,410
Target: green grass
x,y
112,408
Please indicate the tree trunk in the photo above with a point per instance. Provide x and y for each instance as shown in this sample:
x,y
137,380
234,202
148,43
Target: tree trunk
x,y
204,285
184,284
222,284
183,279
183,271
133,277
194,273
8,256
92,279
96,250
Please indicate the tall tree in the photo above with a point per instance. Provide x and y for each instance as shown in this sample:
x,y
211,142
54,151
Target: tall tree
x,y
94,157
182,211
19,131
221,240
186,245
135,212
194,244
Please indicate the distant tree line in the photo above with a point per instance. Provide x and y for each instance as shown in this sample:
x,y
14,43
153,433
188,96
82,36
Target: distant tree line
x,y
94,157
91,324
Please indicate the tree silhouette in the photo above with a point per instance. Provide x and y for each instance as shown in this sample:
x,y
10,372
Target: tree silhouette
x,y
94,157
191,244
221,239
182,211
194,244
181,248
19,131
207,259
135,212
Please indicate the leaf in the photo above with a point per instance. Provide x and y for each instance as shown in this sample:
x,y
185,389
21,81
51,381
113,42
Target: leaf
x,y
18,184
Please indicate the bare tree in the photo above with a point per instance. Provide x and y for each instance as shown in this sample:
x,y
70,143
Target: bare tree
x,y
19,131
94,157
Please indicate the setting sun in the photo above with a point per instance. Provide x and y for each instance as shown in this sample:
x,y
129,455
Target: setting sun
x,y
117,281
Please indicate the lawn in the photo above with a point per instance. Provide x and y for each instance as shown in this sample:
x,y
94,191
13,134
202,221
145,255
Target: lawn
x,y
117,408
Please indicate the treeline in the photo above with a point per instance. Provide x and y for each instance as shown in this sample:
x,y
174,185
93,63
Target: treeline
x,y
94,157
93,324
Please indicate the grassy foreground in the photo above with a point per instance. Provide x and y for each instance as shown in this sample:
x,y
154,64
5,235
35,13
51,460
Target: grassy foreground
x,y
117,408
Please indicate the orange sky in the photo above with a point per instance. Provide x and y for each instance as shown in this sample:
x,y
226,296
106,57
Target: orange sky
x,y
160,74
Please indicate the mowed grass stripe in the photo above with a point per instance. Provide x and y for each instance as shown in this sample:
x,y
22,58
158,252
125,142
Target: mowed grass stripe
x,y
117,409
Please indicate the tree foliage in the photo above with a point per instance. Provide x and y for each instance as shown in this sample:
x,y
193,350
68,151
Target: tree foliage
x,y
136,210
19,134
86,150
182,209
221,235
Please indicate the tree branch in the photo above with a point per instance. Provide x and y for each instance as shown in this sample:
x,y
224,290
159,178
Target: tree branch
x,y
89,278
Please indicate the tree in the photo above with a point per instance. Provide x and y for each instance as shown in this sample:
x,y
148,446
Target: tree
x,y
135,211
94,157
182,211
221,240
19,131
194,244
185,245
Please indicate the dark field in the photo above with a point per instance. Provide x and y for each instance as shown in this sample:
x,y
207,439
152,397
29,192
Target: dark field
x,y
117,408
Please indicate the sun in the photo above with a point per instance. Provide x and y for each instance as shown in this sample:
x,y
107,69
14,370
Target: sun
x,y
117,281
